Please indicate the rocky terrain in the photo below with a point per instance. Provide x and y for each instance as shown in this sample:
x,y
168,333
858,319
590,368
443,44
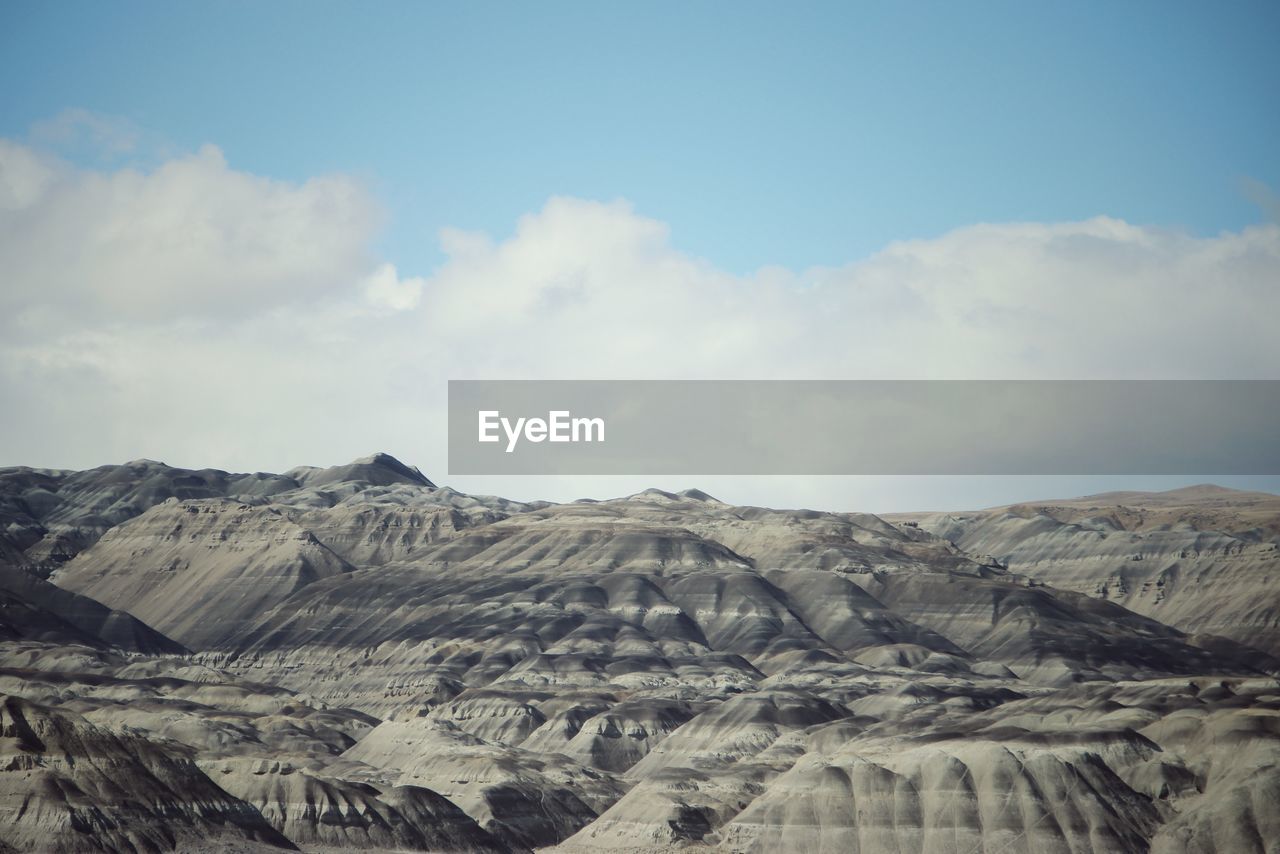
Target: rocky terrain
x,y
354,658
1201,559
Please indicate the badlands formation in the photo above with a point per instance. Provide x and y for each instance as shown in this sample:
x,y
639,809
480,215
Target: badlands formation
x,y
353,658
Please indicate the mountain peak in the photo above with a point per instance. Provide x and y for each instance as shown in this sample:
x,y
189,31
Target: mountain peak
x,y
378,458
378,469
145,463
1202,489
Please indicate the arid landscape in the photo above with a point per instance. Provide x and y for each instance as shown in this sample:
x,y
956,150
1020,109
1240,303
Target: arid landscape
x,y
617,289
353,658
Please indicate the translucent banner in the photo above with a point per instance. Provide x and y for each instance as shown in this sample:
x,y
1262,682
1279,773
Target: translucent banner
x,y
864,427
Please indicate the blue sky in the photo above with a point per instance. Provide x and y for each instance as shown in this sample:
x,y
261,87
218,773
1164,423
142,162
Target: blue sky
x,y
807,135
270,272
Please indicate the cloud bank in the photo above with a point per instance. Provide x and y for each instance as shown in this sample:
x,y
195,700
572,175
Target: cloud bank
x,y
200,314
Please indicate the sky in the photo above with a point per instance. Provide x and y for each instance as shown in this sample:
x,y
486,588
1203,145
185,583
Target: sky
x,y
252,236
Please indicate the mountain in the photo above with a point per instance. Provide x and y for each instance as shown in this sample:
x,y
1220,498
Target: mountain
x,y
66,781
358,659
199,569
49,515
376,470
1201,559
32,607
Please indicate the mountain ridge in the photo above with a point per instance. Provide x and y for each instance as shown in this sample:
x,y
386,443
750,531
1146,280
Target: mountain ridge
x,y
373,662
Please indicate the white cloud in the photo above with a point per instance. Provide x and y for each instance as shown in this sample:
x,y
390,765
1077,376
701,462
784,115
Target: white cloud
x,y
191,238
1094,299
24,176
384,288
207,316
